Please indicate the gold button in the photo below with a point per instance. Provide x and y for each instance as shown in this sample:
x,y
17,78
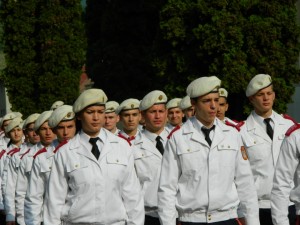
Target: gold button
x,y
76,165
254,142
188,150
50,167
209,217
228,146
142,154
117,160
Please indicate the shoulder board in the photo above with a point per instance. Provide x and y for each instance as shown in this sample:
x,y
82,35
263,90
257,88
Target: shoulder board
x,y
172,131
122,136
59,145
11,152
14,152
25,153
292,129
2,153
286,116
236,126
40,152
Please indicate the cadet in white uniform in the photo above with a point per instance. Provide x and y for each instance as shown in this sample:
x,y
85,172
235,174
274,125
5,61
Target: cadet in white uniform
x,y
263,148
22,179
175,114
93,180
287,171
205,177
15,133
41,167
186,107
111,117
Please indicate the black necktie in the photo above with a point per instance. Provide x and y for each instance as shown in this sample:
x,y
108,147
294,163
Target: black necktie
x,y
159,145
269,128
206,132
95,149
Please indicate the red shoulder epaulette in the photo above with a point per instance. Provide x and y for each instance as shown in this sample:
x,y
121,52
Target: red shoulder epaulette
x,y
14,152
60,144
236,126
122,136
286,116
2,153
24,153
292,129
40,152
172,131
11,152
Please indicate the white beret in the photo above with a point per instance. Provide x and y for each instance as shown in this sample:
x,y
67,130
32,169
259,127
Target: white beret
x,y
203,86
223,92
173,103
153,98
111,106
42,119
10,116
128,104
16,122
62,113
89,97
185,103
30,119
257,83
56,104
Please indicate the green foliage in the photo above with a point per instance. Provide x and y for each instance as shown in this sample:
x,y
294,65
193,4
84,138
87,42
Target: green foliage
x,y
233,40
44,52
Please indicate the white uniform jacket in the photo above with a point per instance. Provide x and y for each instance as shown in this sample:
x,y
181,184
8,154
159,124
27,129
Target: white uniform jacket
x,y
206,184
147,161
10,189
263,153
84,190
287,170
22,180
39,176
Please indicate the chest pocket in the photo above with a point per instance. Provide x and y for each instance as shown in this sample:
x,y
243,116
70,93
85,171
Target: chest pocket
x,y
227,153
78,172
46,166
116,165
257,149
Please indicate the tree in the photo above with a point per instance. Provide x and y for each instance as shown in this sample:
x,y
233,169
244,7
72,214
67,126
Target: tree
x,y
120,40
44,45
233,40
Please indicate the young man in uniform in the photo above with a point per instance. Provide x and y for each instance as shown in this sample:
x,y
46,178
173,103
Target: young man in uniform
x,y
205,176
175,114
262,134
111,118
93,180
186,107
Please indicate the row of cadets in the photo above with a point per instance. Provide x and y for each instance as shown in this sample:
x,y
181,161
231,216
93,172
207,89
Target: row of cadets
x,y
33,144
262,135
204,176
61,124
39,170
175,114
15,133
111,118
93,180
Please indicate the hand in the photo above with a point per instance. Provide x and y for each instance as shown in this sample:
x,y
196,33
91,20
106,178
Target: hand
x,y
10,223
242,221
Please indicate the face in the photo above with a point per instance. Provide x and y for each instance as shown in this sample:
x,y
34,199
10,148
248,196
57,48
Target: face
x,y
155,118
206,107
30,134
16,135
111,120
175,116
263,101
46,134
92,119
189,112
130,119
65,130
223,107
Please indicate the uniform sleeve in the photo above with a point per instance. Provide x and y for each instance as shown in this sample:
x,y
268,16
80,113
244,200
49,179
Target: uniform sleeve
x,y
57,188
21,188
246,188
132,195
9,198
2,161
167,190
34,196
284,174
